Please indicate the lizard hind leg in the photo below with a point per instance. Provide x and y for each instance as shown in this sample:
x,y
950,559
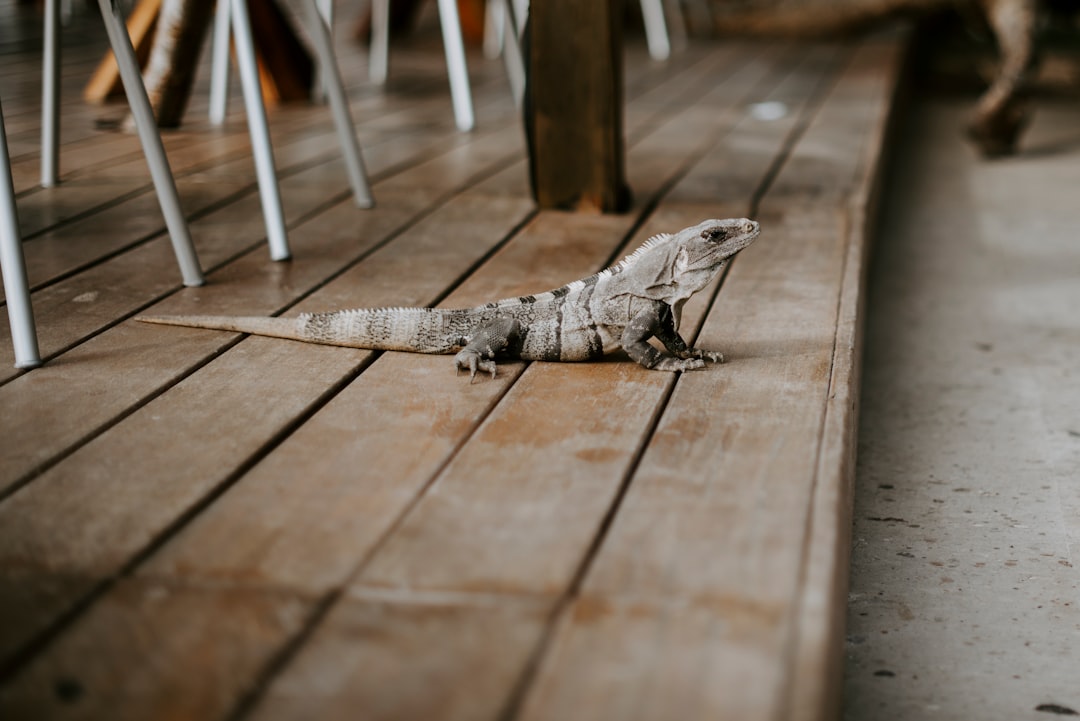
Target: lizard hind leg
x,y
487,341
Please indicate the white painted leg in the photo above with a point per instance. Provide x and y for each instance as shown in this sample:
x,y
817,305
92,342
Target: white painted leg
x,y
494,25
154,151
521,12
379,49
339,106
13,266
321,88
455,65
219,66
50,97
676,21
273,215
513,56
656,34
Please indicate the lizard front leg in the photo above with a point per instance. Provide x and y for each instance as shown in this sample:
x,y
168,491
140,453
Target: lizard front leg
x,y
645,325
674,342
487,341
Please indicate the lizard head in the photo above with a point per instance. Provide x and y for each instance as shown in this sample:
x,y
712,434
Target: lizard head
x,y
674,267
708,244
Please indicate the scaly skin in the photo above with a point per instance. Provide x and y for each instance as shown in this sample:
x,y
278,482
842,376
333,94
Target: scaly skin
x,y
620,307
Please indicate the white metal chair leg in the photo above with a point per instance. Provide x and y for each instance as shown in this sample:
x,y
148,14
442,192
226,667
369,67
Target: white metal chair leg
x,y
656,34
50,97
320,89
154,151
453,45
460,93
521,11
13,267
494,27
339,106
676,21
379,49
219,64
513,56
273,215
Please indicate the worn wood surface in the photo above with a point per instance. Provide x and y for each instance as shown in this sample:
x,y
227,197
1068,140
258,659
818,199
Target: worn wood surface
x,y
200,525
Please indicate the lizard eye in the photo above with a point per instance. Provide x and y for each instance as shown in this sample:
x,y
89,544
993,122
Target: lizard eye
x,y
714,234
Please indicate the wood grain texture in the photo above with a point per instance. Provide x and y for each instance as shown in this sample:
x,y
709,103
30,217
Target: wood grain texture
x,y
115,495
710,533
742,538
377,659
114,665
816,661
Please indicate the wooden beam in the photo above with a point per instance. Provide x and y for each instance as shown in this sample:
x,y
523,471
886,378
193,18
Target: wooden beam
x,y
573,105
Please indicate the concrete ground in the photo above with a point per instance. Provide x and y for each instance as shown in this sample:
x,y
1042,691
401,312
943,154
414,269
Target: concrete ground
x,y
965,587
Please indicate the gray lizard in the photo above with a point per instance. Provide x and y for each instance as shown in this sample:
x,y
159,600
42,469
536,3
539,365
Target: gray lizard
x,y
621,307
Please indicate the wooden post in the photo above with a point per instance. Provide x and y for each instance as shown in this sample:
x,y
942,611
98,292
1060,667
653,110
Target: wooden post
x,y
573,105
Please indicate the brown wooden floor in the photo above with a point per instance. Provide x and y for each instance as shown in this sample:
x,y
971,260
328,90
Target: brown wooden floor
x,y
197,525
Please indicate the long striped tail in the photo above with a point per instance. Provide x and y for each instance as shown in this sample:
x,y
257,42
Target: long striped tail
x,y
418,330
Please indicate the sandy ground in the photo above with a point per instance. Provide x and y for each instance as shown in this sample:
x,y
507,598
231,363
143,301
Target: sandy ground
x,y
965,591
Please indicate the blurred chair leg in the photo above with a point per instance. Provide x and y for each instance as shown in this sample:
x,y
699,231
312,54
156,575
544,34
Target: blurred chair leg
x,y
656,34
494,27
676,21
219,65
455,65
50,97
379,49
320,88
339,106
151,142
13,267
513,55
273,214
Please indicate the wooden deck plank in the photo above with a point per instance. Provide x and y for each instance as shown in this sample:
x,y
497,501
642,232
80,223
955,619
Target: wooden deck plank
x,y
700,560
374,644
816,657
139,615
697,598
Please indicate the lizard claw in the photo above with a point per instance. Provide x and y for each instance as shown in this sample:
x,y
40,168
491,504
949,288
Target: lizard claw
x,y
704,355
473,363
679,364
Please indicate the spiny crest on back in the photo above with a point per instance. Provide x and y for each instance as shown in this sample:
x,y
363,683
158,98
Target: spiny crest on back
x,y
626,262
653,242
